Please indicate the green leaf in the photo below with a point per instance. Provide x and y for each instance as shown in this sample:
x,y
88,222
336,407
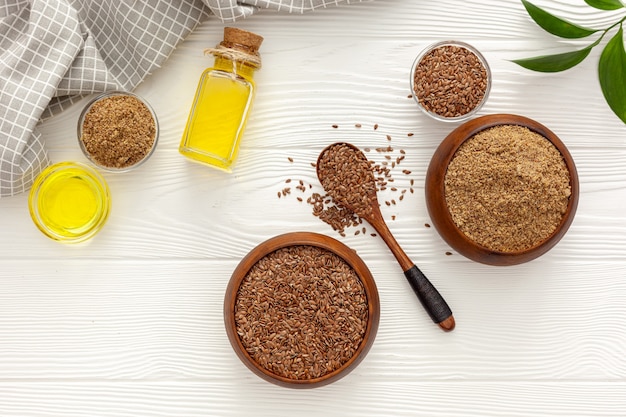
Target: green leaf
x,y
605,4
556,25
612,74
555,63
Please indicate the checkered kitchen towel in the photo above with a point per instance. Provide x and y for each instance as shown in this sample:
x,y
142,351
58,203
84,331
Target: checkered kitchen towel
x,y
55,51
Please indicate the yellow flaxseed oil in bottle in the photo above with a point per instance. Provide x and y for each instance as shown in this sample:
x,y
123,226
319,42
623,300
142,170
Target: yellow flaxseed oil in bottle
x,y
223,101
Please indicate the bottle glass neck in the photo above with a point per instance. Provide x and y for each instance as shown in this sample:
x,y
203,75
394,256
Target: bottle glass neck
x,y
240,68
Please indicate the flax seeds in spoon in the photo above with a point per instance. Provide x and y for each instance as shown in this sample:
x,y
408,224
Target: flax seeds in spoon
x,y
348,178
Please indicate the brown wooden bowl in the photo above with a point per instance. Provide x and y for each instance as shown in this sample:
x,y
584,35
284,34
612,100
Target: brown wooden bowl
x,y
438,209
310,239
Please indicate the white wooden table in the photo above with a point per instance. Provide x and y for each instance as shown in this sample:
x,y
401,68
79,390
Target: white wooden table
x,y
131,324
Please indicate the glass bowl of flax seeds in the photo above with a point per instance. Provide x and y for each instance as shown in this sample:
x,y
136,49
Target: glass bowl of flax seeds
x,y
502,189
301,310
450,81
118,131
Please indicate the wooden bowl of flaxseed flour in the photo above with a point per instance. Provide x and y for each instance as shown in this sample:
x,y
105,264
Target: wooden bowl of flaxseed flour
x,y
301,310
502,189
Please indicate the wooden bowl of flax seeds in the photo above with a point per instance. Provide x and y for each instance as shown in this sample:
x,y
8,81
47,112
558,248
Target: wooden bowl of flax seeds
x,y
118,131
502,189
301,310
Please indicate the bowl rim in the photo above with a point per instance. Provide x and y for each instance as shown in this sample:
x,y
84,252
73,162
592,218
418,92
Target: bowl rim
x,y
81,121
470,48
100,187
438,209
309,239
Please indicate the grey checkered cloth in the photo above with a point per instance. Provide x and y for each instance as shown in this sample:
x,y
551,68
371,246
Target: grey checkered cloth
x,y
53,52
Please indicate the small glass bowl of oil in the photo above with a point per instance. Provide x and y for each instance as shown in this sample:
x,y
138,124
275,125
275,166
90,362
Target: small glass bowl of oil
x,y
69,202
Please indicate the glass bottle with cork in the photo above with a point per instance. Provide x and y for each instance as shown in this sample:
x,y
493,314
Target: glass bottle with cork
x,y
223,101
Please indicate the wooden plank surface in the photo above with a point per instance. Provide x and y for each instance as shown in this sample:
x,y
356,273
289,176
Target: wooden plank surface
x,y
130,324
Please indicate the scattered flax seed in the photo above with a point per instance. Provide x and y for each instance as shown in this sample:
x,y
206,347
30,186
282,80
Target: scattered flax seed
x,y
118,131
450,81
335,126
448,253
393,217
301,312
290,159
336,216
376,126
288,181
410,134
507,188
406,171
385,149
358,125
426,225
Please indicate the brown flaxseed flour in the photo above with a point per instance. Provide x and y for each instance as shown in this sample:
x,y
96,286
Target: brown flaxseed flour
x,y
507,188
118,131
301,312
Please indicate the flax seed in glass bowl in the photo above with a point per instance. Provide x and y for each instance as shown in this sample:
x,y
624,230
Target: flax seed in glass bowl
x,y
118,131
450,81
301,310
502,189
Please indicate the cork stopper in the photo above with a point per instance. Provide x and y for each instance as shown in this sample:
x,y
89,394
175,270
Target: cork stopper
x,y
242,40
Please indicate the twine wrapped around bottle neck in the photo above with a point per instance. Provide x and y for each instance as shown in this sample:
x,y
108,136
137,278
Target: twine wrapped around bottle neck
x,y
234,54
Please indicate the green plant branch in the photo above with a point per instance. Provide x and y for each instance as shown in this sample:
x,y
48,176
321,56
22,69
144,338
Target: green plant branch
x,y
607,30
612,64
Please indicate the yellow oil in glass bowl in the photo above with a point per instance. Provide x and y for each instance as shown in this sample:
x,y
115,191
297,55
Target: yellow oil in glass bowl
x,y
69,202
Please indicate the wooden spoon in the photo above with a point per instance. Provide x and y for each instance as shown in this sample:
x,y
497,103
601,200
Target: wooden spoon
x,y
346,175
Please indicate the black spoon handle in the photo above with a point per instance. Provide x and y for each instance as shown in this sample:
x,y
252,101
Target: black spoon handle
x,y
430,298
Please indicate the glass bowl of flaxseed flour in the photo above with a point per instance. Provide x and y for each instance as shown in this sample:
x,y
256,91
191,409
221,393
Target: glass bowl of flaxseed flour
x,y
118,131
